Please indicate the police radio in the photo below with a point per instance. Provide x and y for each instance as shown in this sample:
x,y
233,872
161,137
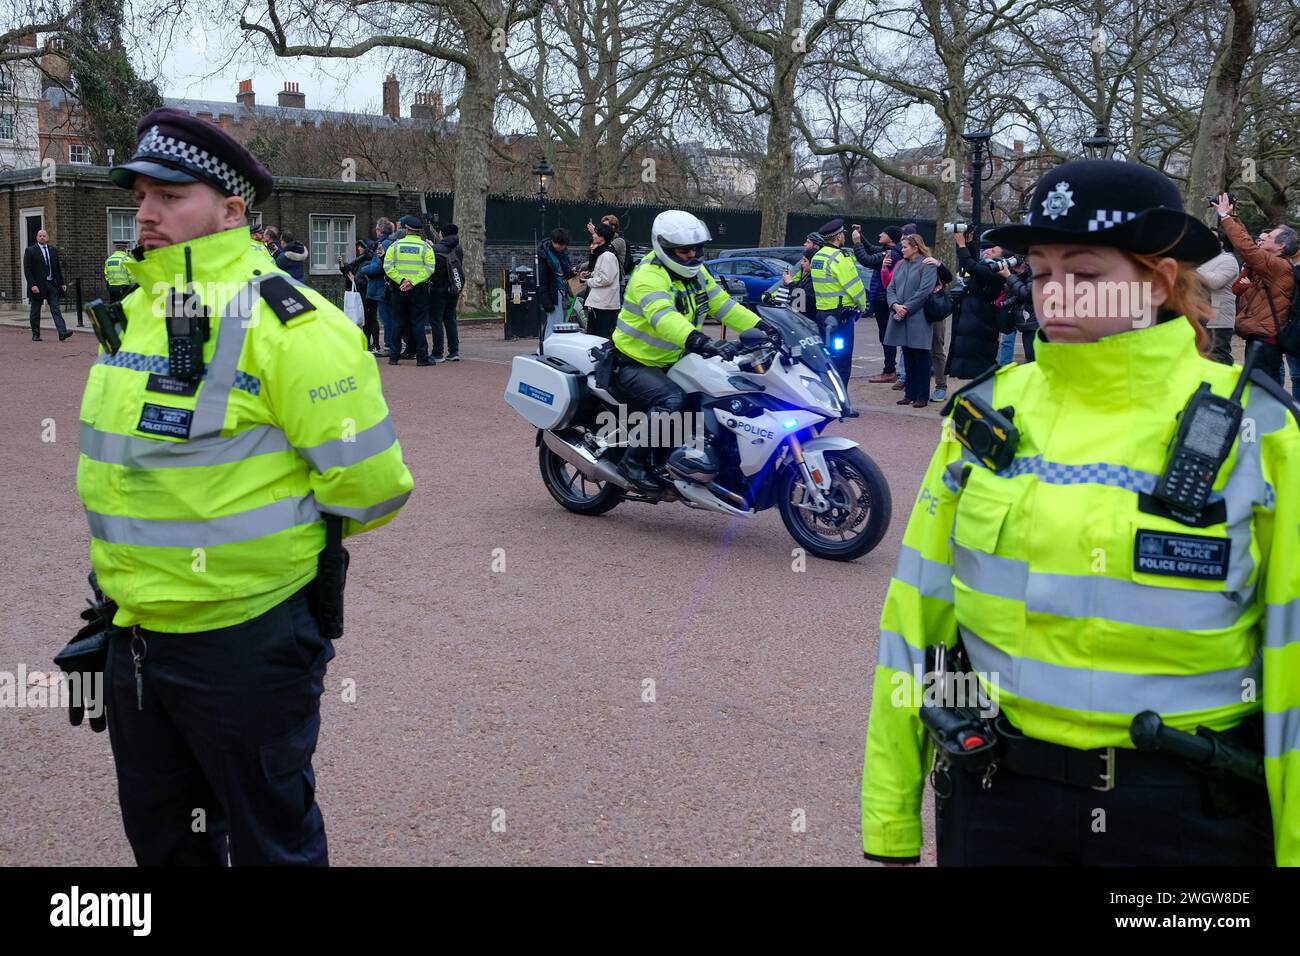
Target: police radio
x,y
108,319
1207,428
188,328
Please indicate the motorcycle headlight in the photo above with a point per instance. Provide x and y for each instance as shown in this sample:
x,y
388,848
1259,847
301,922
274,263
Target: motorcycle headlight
x,y
824,396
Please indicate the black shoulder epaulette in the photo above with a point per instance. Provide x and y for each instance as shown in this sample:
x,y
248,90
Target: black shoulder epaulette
x,y
977,380
1269,384
286,301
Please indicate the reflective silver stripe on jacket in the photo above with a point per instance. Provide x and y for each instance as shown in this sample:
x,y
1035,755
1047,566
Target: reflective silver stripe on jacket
x,y
646,337
342,453
134,452
897,653
724,309
1099,596
366,515
1109,692
930,578
1281,624
1281,732
245,526
214,395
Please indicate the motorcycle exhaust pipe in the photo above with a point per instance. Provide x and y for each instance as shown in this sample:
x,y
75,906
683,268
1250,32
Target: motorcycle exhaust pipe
x,y
578,456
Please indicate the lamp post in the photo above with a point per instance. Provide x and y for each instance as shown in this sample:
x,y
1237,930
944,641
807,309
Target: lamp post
x,y
977,142
1098,145
542,172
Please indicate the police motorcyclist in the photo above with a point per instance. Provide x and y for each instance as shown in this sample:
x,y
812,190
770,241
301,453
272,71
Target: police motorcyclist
x,y
668,296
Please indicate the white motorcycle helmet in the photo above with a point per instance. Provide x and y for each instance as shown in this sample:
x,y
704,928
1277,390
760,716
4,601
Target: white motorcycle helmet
x,y
673,228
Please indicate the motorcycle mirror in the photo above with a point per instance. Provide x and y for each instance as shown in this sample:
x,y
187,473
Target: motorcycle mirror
x,y
752,337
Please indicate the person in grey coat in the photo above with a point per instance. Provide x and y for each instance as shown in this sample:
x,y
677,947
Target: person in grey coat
x,y
913,282
1218,276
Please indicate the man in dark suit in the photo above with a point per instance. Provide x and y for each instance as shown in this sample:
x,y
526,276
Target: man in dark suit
x,y
44,284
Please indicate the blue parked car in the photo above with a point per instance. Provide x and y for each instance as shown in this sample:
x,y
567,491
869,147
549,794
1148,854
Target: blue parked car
x,y
758,273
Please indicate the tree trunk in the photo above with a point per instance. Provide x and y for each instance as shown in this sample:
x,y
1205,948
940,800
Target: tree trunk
x,y
1207,172
473,146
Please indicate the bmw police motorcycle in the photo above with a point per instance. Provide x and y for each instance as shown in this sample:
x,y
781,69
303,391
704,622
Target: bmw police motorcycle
x,y
759,442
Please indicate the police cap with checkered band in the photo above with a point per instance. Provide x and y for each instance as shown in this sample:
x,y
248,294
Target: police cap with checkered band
x,y
176,147
1105,202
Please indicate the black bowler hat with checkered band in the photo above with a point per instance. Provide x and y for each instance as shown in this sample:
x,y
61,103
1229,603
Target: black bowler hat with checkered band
x,y
176,147
1105,202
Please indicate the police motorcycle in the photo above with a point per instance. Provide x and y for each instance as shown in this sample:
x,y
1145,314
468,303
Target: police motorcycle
x,y
762,418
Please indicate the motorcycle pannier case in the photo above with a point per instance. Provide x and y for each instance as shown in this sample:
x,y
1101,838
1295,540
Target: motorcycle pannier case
x,y
545,390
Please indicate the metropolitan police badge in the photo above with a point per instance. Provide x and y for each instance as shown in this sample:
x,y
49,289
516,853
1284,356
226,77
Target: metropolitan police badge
x,y
1059,201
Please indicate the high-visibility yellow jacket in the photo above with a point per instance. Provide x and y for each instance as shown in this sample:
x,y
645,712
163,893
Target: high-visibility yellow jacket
x,y
1065,591
836,283
409,258
115,271
661,310
205,508
260,247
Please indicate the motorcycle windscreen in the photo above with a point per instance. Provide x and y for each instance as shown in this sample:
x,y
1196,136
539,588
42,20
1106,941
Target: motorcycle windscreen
x,y
799,336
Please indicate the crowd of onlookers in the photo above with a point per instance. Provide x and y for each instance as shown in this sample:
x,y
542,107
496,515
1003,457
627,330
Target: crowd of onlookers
x,y
432,331
592,294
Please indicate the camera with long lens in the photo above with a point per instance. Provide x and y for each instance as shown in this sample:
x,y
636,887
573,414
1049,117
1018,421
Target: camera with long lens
x,y
1010,262
963,227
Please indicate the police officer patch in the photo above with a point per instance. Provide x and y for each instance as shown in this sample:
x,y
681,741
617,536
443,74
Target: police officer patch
x,y
1181,555
165,420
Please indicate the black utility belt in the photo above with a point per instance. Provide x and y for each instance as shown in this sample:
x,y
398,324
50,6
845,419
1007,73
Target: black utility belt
x,y
1101,769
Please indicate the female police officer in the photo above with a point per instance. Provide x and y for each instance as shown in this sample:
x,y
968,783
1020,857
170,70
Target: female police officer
x,y
1083,589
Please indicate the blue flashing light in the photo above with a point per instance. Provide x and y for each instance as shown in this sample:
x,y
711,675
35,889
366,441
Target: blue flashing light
x,y
790,423
837,343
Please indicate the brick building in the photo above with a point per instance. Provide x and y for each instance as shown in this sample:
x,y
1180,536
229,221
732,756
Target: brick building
x,y
85,212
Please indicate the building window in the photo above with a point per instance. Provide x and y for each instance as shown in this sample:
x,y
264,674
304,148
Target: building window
x,y
331,237
79,154
6,128
121,227
6,83
255,218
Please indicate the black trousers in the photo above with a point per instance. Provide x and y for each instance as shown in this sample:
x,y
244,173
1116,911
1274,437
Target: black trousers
x,y
917,364
836,331
51,295
602,322
645,388
880,309
410,312
1221,345
216,753
116,293
442,317
1028,821
371,327
1271,359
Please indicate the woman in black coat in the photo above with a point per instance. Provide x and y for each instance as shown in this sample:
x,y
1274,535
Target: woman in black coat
x,y
975,334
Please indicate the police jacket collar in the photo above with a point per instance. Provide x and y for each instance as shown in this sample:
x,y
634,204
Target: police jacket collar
x,y
1138,366
213,258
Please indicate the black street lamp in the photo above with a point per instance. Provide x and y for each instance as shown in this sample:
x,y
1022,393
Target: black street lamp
x,y
977,142
544,173
1098,145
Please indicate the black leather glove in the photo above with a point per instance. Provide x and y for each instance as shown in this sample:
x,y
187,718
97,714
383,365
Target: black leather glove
x,y
701,344
85,655
726,349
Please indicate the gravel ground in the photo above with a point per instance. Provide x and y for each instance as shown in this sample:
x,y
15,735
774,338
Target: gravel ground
x,y
513,696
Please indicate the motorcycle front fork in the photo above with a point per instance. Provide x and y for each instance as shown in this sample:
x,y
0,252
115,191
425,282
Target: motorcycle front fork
x,y
816,501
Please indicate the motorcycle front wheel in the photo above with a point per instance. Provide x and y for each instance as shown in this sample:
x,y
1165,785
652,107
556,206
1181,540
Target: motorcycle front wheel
x,y
860,507
574,490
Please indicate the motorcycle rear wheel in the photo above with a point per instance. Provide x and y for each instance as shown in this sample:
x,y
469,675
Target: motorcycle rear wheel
x,y
573,490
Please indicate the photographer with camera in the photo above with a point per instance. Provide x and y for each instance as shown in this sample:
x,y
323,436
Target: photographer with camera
x,y
1019,279
975,333
1267,284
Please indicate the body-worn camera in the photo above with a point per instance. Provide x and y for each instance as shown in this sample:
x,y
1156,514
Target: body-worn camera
x,y
108,319
986,431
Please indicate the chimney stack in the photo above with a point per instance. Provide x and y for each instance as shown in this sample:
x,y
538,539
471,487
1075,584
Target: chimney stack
x,y
245,97
427,107
290,98
392,98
